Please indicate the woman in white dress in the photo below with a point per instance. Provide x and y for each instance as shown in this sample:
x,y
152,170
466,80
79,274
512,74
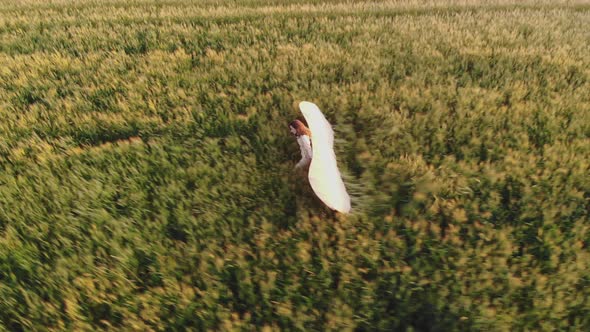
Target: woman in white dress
x,y
324,176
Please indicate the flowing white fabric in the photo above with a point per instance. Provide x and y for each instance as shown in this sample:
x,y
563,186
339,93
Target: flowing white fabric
x,y
324,175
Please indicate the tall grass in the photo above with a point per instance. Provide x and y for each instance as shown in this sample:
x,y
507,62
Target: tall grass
x,y
147,175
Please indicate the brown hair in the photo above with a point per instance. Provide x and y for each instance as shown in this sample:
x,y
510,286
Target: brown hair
x,y
300,128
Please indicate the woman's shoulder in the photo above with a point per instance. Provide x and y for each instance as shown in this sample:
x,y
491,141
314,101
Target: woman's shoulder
x,y
303,138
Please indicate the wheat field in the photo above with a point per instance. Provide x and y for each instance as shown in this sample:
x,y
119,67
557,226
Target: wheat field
x,y
147,177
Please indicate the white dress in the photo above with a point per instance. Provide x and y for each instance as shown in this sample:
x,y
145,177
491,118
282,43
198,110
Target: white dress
x,y
306,152
324,176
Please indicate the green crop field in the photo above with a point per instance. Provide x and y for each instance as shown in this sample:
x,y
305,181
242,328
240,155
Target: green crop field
x,y
147,177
